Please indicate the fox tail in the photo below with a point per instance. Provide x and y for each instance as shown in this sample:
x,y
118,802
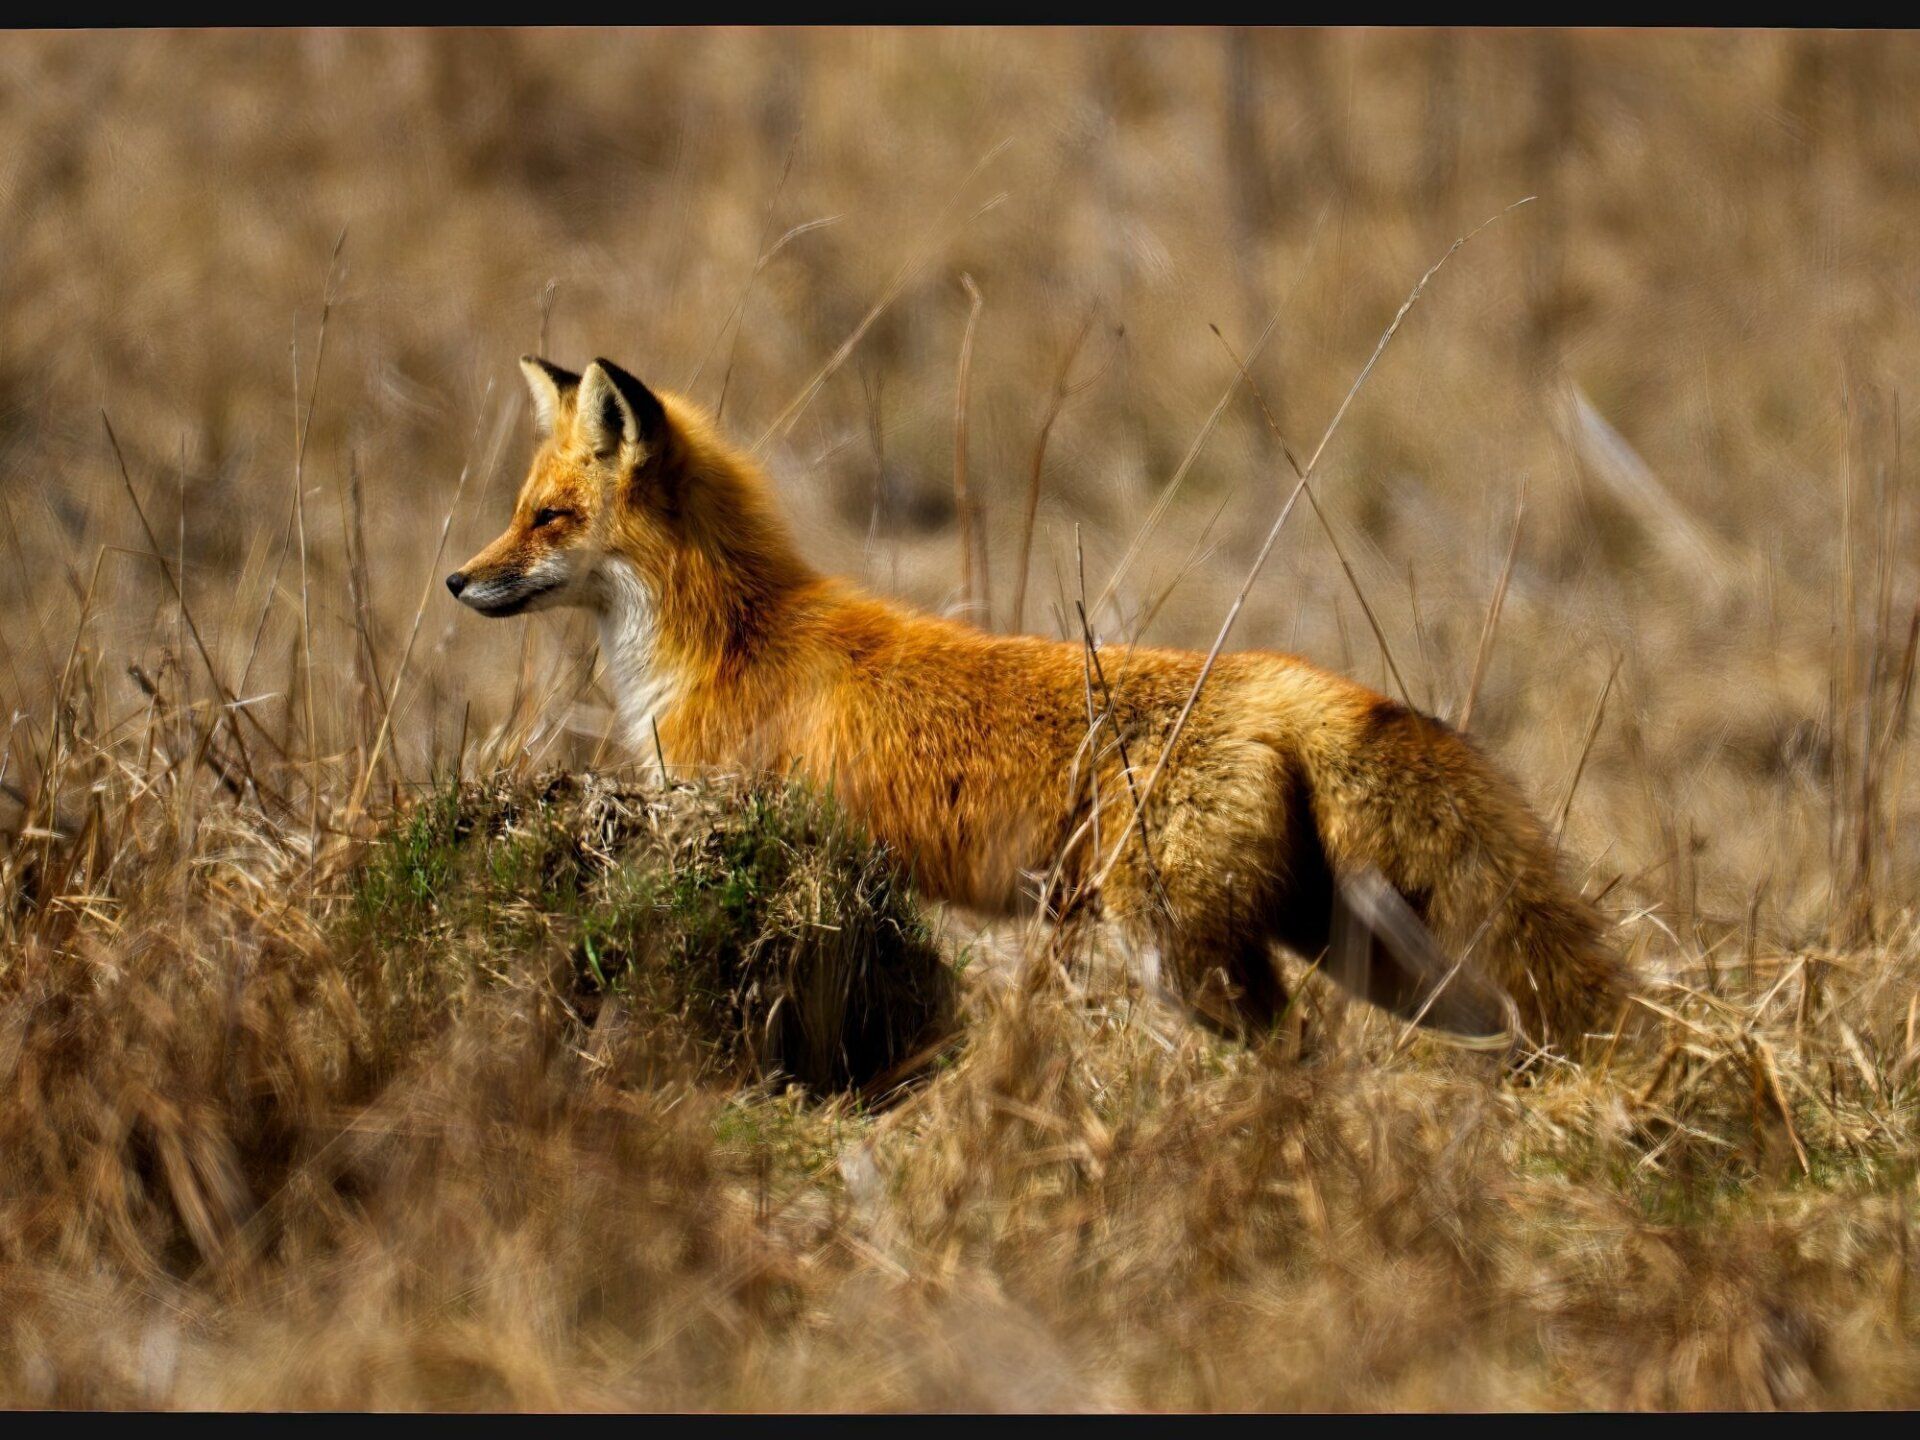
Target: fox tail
x,y
1417,826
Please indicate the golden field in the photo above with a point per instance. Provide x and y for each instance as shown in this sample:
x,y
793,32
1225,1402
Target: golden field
x,y
1630,480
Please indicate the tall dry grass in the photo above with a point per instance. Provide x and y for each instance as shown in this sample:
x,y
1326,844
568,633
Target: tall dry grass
x,y
250,1162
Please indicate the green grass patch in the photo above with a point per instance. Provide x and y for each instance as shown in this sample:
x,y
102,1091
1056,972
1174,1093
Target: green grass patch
x,y
783,942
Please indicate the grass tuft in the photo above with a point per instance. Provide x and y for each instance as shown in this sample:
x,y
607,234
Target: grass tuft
x,y
758,916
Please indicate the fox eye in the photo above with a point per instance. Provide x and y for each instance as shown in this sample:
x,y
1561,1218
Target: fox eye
x,y
547,517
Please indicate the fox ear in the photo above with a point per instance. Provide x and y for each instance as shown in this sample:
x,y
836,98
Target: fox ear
x,y
549,385
614,411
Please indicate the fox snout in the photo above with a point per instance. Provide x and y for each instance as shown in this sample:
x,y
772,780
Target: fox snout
x,y
501,590
490,591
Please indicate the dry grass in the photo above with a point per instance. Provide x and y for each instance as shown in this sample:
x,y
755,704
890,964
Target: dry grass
x,y
278,1131
379,1135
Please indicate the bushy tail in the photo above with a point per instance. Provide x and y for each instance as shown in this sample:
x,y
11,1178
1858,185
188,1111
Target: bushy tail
x,y
1408,798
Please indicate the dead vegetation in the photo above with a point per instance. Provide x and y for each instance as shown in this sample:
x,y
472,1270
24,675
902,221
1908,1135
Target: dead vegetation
x,y
372,1034
483,1114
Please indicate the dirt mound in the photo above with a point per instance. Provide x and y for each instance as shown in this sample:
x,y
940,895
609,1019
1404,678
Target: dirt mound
x,y
784,940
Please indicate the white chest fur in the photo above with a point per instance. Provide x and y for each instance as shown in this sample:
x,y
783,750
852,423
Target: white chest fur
x,y
642,688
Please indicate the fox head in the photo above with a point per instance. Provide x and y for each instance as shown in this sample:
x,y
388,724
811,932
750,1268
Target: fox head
x,y
603,441
636,509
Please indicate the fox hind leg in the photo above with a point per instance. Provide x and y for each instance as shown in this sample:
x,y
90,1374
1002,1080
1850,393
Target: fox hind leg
x,y
1226,978
1208,904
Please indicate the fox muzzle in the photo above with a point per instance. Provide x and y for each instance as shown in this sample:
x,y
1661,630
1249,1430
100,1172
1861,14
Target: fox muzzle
x,y
500,596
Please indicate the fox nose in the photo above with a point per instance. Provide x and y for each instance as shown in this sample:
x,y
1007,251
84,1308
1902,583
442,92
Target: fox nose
x,y
456,582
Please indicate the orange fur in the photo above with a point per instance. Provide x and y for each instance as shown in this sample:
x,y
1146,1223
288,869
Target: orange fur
x,y
966,751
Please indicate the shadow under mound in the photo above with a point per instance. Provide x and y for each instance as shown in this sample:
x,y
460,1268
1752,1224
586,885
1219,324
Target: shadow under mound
x,y
756,921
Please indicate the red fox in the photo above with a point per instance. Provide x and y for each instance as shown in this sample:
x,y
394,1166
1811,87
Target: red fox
x,y
1295,808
